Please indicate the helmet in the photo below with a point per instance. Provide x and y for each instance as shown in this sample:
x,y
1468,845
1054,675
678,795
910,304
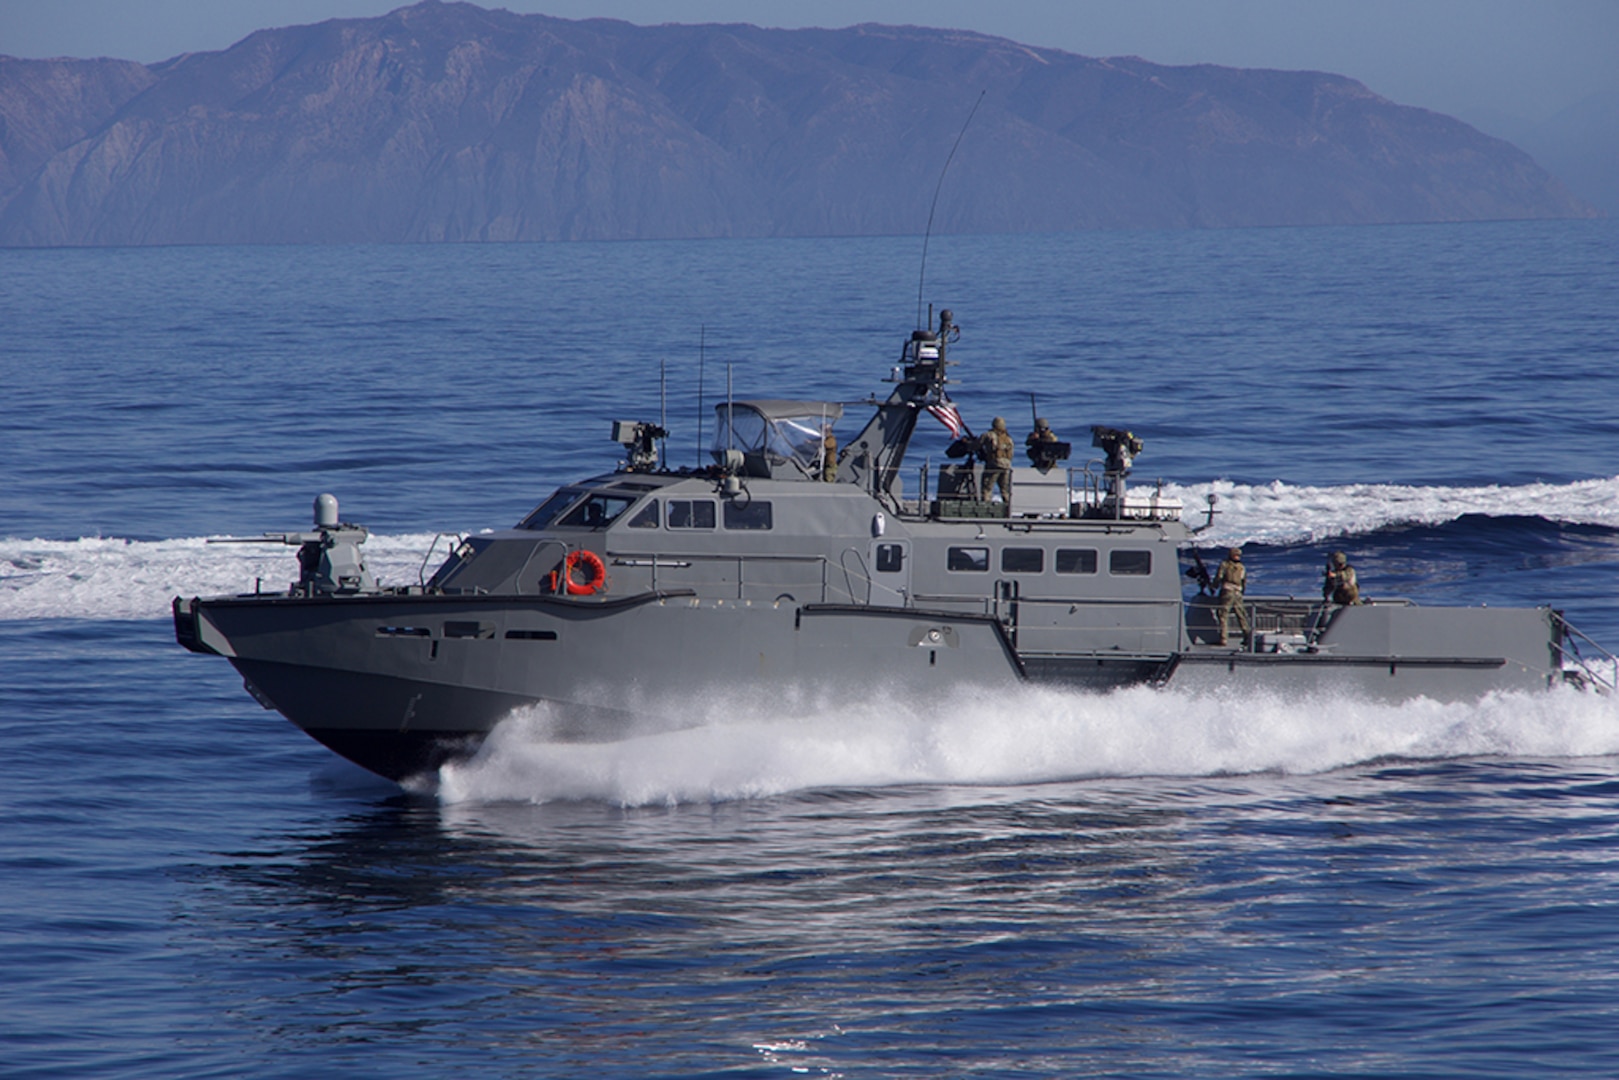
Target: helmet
x,y
1041,424
998,424
1340,559
1236,553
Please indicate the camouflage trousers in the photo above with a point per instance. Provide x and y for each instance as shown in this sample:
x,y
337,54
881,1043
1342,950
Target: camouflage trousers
x,y
1231,601
993,478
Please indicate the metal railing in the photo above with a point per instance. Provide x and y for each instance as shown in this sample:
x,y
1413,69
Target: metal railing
x,y
456,540
1600,671
760,582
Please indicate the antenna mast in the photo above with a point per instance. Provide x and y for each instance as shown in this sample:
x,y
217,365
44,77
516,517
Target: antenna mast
x,y
702,332
921,278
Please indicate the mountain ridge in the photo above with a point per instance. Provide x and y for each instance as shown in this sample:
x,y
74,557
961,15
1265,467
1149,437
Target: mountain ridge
x,y
451,122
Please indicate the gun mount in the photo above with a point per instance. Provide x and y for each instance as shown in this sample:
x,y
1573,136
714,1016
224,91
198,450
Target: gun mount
x,y
637,439
329,559
1121,448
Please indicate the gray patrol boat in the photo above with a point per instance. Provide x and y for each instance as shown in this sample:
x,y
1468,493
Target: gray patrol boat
x,y
624,597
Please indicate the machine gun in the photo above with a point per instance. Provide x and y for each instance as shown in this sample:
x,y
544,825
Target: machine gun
x,y
1200,574
1043,454
637,438
1121,447
329,560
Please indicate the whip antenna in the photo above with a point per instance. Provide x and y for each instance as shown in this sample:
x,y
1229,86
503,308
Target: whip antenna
x,y
702,339
921,278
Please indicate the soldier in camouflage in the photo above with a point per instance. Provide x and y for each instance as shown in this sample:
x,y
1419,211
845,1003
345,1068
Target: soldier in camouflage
x,y
996,449
1341,585
1042,446
1231,581
829,455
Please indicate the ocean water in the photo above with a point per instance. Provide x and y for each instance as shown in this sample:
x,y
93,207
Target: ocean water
x,y
1142,884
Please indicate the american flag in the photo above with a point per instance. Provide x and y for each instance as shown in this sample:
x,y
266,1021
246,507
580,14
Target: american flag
x,y
948,415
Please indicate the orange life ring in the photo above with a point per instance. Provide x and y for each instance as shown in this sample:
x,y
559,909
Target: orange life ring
x,y
595,570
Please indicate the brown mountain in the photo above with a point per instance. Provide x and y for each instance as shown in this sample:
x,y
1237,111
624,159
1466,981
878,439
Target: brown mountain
x,y
451,122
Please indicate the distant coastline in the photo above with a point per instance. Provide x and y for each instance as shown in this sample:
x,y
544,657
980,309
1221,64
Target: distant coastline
x,y
449,122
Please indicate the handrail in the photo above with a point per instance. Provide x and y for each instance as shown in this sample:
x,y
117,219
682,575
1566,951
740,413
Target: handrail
x,y
517,579
740,559
1576,664
421,571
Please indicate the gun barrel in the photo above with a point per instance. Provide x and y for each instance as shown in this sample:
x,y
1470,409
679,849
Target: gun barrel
x,y
267,538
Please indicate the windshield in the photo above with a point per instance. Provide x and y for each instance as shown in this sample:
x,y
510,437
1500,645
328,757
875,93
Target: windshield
x,y
779,437
597,512
549,509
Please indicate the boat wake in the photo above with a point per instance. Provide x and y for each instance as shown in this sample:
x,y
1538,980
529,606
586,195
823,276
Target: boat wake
x,y
734,751
1281,514
110,578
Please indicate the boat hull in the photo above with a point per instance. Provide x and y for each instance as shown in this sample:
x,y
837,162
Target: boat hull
x,y
400,684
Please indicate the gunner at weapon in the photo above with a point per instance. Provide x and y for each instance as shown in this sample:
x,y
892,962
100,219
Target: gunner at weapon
x,y
1341,585
1043,447
1232,581
996,450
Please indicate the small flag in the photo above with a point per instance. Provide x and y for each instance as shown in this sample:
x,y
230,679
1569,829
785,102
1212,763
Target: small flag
x,y
948,415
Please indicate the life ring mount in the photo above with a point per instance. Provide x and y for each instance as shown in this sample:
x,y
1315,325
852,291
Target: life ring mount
x,y
595,571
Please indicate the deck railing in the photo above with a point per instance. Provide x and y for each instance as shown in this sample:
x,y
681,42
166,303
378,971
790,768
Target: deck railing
x,y
1600,670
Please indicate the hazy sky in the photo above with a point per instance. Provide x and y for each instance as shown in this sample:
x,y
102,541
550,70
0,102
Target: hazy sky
x,y
1474,58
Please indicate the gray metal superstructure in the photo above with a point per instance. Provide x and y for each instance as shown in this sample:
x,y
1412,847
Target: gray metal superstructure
x,y
626,594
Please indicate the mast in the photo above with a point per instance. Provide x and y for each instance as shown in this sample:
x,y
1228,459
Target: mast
x,y
874,457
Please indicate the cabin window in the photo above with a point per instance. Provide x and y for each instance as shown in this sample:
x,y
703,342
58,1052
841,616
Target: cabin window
x,y
549,509
1076,560
646,517
596,512
890,558
1022,560
752,514
975,559
1128,561
690,514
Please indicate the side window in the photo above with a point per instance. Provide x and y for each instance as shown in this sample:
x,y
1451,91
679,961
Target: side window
x,y
646,517
1076,560
752,514
975,559
890,558
1126,561
1020,560
690,514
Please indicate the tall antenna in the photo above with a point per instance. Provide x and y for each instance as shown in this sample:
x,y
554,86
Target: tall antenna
x,y
921,279
663,412
702,331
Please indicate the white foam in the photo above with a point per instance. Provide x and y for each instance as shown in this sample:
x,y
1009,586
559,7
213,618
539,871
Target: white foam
x,y
1029,735
1278,513
95,578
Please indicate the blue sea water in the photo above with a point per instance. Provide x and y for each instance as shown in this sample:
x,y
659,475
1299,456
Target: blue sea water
x,y
1142,884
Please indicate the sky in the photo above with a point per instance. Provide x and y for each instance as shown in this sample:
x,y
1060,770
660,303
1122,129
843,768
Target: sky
x,y
1491,62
